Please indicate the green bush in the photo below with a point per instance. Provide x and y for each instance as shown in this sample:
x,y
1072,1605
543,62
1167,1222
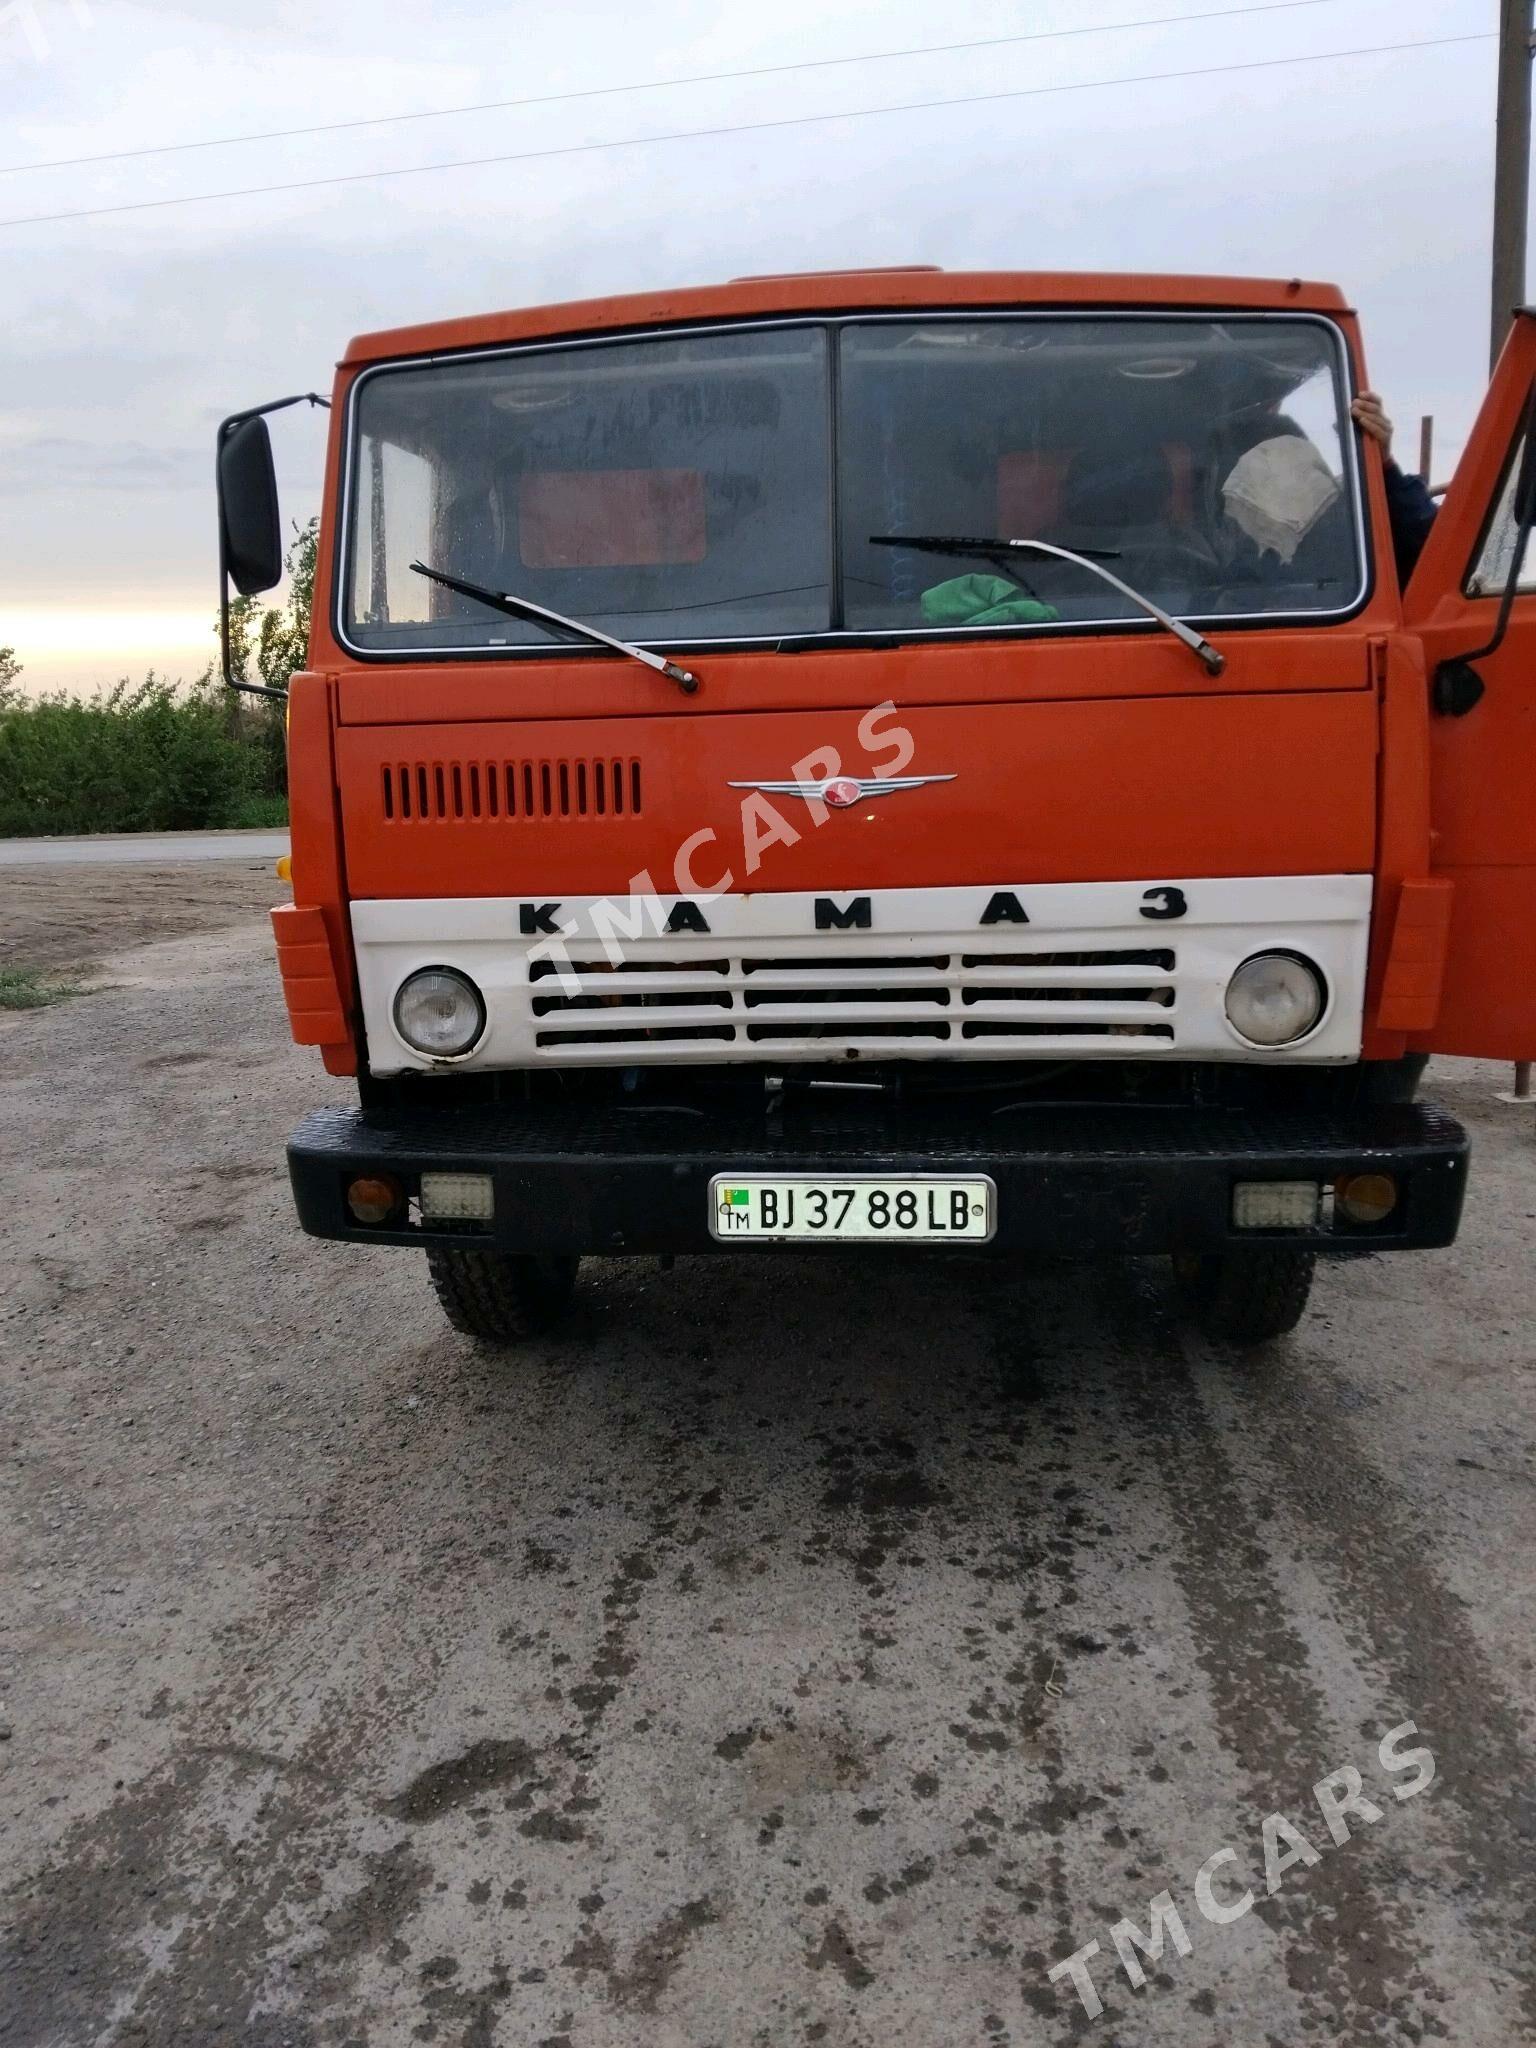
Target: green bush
x,y
141,757
155,756
261,814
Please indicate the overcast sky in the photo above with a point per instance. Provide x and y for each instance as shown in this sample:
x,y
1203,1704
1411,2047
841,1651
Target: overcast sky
x,y
126,337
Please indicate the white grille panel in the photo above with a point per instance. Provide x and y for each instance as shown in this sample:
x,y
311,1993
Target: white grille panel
x,y
1089,976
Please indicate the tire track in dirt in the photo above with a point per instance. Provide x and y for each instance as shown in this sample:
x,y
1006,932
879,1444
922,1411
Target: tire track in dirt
x,y
165,1917
928,1578
233,1916
1152,1774
1030,1343
1352,1937
1414,1633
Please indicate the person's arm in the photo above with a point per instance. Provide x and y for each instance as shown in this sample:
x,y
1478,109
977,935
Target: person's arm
x,y
1410,508
1412,512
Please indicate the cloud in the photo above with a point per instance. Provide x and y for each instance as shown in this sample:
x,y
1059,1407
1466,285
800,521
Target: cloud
x,y
127,338
55,462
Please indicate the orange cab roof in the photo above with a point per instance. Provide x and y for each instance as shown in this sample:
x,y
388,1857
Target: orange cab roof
x,y
849,291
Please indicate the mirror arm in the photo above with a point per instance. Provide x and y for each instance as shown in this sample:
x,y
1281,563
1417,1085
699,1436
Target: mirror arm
x,y
227,427
234,682
1457,686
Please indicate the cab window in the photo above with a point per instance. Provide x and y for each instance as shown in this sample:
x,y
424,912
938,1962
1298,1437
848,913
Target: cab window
x,y
1490,571
664,489
1205,462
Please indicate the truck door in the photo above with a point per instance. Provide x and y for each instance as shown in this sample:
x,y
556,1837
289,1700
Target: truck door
x,y
1483,756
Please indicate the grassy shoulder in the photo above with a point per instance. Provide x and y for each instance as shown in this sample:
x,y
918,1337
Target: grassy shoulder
x,y
33,988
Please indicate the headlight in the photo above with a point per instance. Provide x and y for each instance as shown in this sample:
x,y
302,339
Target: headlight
x,y
439,1012
1275,998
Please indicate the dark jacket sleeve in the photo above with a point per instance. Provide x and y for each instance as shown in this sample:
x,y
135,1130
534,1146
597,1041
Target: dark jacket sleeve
x,y
1412,512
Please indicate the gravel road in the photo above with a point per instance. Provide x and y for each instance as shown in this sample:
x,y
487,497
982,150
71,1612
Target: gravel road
x,y
111,849
788,1652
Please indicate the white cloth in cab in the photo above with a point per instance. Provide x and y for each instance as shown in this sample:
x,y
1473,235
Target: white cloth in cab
x,y
1278,491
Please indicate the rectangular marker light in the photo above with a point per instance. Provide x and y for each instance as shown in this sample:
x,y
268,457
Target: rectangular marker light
x,y
457,1198
1275,1204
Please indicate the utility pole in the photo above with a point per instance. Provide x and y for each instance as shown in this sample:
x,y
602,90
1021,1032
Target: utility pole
x,y
1511,167
1511,186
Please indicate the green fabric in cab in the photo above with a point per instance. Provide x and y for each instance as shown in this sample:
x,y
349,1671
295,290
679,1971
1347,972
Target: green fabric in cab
x,y
983,601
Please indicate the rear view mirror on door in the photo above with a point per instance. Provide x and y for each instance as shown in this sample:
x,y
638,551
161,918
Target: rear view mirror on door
x,y
250,532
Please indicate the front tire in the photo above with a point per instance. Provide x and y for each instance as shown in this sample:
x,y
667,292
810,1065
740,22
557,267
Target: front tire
x,y
1248,1295
502,1297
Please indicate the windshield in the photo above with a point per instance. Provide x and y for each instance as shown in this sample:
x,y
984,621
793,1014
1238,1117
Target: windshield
x,y
677,490
1201,460
667,489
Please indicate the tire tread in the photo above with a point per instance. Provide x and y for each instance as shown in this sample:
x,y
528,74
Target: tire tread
x,y
1252,1294
501,1297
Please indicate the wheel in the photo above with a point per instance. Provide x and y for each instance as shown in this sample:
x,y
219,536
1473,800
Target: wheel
x,y
502,1297
1249,1294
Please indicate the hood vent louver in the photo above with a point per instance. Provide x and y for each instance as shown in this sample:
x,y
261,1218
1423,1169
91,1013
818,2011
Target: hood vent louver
x,y
510,792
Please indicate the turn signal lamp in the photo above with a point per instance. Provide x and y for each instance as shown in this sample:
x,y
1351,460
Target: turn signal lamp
x,y
375,1197
1365,1197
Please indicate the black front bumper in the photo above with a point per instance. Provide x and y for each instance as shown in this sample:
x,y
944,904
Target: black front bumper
x,y
1114,1180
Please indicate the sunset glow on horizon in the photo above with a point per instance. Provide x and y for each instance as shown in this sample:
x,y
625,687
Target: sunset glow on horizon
x,y
79,648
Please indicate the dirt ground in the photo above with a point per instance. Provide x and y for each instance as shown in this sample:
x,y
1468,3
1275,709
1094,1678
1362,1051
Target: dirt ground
x,y
71,916
786,1652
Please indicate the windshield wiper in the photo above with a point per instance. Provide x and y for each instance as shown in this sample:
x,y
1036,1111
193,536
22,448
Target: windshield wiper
x,y
989,550
541,615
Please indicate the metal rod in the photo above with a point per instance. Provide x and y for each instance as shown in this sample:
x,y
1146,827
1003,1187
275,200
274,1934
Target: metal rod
x,y
1426,446
378,556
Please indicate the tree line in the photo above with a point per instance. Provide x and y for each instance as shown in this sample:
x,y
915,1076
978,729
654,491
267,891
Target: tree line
x,y
158,755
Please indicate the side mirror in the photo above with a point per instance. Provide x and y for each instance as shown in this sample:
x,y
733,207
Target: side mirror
x,y
250,530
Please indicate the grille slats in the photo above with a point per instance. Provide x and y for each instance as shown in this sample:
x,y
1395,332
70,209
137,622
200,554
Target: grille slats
x,y
827,1005
509,792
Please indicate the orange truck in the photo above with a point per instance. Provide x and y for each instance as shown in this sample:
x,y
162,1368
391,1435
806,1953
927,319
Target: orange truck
x,y
904,759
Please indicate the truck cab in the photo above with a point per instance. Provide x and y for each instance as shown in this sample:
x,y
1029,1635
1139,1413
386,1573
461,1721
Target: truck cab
x,y
897,758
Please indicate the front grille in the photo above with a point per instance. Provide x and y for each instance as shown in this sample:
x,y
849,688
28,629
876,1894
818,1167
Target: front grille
x,y
841,1005
509,792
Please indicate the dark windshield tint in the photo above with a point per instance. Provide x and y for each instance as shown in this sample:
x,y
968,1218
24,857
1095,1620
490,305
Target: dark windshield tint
x,y
1202,460
665,490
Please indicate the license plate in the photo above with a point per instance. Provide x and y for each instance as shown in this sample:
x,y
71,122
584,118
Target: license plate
x,y
861,1208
